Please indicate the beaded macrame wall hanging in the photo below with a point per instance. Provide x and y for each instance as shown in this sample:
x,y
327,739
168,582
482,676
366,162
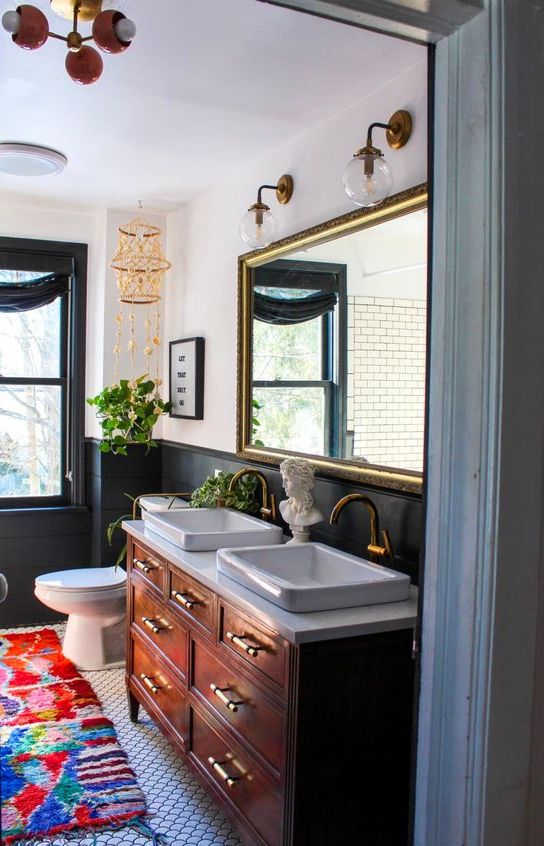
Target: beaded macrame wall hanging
x,y
140,266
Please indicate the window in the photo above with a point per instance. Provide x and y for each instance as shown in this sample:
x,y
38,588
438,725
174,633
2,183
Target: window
x,y
298,357
42,301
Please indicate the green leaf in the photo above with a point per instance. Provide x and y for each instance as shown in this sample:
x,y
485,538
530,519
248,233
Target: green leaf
x,y
121,556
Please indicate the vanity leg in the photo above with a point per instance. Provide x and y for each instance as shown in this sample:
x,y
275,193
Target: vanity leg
x,y
133,706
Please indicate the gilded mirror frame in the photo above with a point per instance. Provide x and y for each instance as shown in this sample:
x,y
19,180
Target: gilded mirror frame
x,y
378,476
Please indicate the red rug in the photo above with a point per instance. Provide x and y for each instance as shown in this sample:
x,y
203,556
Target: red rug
x,y
62,768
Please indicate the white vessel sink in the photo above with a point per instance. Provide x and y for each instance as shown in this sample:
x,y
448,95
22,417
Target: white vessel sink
x,y
198,529
312,577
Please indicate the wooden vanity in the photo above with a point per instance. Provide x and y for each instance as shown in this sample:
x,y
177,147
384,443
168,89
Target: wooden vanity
x,y
298,724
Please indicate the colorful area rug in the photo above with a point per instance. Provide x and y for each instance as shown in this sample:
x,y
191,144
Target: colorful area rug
x,y
62,769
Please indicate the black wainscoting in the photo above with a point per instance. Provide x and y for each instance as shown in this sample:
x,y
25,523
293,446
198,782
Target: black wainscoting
x,y
33,542
39,541
109,479
185,467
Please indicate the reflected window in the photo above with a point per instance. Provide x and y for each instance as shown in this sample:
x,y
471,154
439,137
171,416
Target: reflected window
x,y
296,348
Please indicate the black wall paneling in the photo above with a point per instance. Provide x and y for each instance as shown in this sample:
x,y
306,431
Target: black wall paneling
x,y
185,467
109,479
37,541
33,542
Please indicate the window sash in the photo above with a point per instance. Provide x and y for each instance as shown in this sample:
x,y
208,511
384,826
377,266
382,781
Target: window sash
x,y
329,389
61,381
63,498
70,258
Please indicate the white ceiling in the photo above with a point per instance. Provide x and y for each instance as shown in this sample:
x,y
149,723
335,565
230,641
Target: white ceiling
x,y
206,86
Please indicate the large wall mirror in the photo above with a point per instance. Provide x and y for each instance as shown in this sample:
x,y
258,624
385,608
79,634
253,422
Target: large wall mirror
x,y
332,345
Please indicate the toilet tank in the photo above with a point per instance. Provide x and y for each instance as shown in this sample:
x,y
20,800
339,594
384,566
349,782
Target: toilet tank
x,y
161,502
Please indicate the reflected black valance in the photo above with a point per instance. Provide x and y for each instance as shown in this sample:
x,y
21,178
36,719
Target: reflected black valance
x,y
25,296
283,312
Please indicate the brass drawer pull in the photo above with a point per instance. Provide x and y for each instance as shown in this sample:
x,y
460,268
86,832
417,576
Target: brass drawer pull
x,y
151,624
149,683
239,641
230,781
185,600
220,693
143,566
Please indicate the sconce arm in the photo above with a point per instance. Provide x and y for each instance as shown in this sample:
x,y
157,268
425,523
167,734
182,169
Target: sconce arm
x,y
261,189
375,125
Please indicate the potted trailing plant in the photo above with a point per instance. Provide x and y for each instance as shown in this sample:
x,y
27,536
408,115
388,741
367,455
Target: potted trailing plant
x,y
214,491
128,412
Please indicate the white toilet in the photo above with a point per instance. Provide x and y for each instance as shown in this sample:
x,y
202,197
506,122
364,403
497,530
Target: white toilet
x,y
94,599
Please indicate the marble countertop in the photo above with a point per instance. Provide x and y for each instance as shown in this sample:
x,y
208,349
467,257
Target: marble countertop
x,y
296,628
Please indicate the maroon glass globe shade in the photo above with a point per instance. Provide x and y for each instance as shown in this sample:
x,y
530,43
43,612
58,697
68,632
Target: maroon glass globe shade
x,y
85,66
104,32
33,28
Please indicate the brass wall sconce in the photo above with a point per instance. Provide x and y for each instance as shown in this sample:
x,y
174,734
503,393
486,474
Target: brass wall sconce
x,y
368,178
258,225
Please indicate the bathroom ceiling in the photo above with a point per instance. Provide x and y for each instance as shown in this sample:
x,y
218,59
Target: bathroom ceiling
x,y
206,86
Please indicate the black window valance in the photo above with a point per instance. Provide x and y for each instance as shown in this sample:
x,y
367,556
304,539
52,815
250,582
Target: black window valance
x,y
283,312
25,296
294,274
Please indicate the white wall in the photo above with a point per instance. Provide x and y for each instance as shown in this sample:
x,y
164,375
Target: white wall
x,y
201,294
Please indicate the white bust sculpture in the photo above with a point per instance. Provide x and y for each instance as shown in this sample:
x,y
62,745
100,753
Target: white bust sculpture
x,y
299,509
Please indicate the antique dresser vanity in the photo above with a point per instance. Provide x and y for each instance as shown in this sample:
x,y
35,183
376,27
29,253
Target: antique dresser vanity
x,y
298,724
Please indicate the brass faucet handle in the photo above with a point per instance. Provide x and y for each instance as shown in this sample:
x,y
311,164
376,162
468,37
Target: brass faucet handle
x,y
270,513
220,502
385,551
388,545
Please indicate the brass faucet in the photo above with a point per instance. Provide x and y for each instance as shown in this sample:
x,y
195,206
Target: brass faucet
x,y
377,552
268,508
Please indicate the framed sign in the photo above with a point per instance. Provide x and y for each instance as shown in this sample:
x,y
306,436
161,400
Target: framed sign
x,y
187,378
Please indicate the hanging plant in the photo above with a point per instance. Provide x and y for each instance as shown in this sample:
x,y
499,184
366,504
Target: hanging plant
x,y
128,412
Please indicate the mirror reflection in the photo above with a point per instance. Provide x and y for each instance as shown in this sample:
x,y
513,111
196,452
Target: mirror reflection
x,y
338,346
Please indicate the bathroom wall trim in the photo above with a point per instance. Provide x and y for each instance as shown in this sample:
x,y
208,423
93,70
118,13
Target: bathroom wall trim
x,y
403,18
480,757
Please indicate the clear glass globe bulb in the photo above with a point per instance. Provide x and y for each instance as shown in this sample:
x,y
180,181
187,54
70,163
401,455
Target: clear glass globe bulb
x,y
367,180
125,29
11,21
258,229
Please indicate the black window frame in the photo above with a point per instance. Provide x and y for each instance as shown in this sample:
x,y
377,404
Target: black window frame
x,y
48,256
333,340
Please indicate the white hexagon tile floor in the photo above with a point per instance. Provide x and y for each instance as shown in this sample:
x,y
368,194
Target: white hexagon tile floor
x,y
180,809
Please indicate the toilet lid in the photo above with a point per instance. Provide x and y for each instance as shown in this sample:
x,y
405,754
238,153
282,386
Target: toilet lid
x,y
91,578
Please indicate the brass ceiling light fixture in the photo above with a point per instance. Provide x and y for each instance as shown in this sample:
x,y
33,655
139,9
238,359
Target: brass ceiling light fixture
x,y
112,32
258,225
368,179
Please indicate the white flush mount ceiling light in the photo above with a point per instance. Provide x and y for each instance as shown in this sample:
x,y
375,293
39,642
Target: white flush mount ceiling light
x,y
30,160
111,31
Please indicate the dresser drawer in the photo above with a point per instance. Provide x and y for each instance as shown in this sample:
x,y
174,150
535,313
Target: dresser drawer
x,y
241,704
191,598
238,779
154,620
256,644
165,693
149,566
